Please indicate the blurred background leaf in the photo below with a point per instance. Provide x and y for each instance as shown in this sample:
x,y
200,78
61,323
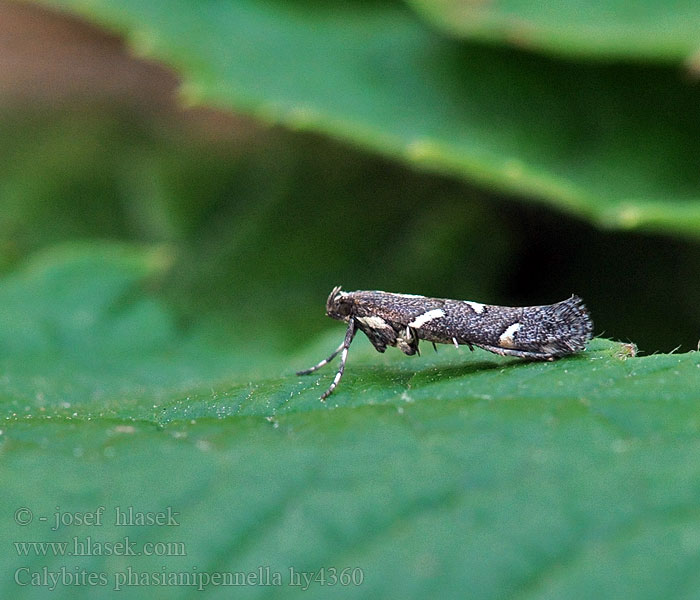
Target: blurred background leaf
x,y
601,29
126,164
617,144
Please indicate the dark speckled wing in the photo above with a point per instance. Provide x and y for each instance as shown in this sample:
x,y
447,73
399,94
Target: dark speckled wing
x,y
397,309
533,332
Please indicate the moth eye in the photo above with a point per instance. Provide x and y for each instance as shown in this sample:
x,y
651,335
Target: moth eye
x,y
340,306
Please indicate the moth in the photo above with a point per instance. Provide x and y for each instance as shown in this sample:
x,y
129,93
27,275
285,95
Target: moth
x,y
402,320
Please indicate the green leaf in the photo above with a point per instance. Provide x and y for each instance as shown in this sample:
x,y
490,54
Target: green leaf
x,y
616,29
615,144
433,475
78,333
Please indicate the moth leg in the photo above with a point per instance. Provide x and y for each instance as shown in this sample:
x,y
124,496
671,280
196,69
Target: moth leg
x,y
518,353
412,340
323,363
407,342
378,331
349,335
434,346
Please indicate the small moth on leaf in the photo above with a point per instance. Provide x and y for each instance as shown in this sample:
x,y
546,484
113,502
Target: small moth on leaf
x,y
534,332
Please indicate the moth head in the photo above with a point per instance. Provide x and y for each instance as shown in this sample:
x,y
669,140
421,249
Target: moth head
x,y
339,305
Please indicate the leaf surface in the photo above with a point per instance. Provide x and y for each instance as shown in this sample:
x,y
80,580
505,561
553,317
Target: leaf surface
x,y
434,474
